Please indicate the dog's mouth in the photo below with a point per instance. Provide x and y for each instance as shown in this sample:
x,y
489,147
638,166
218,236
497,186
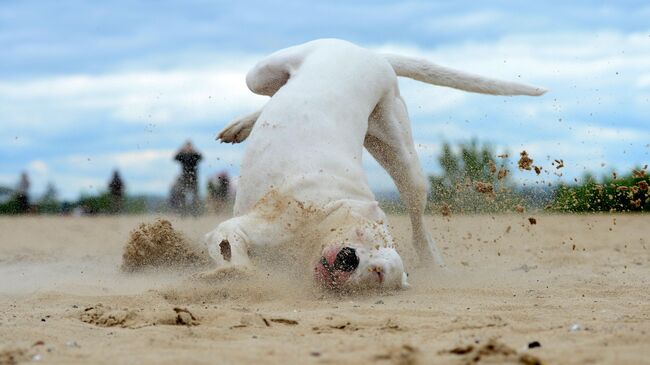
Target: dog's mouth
x,y
336,266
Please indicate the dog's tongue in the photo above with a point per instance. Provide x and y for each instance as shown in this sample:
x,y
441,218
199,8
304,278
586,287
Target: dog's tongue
x,y
330,254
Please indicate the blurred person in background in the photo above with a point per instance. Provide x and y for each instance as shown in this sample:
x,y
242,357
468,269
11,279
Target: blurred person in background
x,y
22,194
116,193
187,201
219,192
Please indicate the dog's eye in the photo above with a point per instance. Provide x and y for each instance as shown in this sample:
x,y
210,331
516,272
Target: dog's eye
x,y
346,260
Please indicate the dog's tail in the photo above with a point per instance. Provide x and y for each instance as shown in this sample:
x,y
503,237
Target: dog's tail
x,y
425,71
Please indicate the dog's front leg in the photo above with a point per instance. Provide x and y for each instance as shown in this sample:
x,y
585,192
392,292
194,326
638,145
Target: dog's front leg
x,y
239,129
228,243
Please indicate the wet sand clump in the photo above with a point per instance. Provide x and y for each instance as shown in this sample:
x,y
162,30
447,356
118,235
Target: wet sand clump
x,y
158,244
492,351
483,187
525,162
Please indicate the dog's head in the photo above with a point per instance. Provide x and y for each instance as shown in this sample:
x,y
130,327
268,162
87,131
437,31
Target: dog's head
x,y
356,264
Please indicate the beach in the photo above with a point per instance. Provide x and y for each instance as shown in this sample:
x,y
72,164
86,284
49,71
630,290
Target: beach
x,y
568,289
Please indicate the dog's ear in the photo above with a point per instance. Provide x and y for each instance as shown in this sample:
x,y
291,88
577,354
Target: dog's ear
x,y
271,73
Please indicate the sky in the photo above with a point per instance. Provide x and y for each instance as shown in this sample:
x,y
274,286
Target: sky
x,y
86,87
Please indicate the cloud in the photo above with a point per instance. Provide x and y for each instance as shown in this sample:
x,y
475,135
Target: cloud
x,y
644,81
466,22
596,108
594,58
139,97
595,134
146,171
423,99
38,167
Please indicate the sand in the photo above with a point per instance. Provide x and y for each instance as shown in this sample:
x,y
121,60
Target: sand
x,y
157,244
577,286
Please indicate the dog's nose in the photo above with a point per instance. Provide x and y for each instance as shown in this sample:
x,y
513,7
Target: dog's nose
x,y
346,260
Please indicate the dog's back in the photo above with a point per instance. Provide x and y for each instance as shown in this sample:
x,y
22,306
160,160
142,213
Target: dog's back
x,y
309,138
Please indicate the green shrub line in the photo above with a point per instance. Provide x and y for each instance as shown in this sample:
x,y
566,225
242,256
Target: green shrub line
x,y
473,180
611,194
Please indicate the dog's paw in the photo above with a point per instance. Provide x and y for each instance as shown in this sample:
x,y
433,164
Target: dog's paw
x,y
238,130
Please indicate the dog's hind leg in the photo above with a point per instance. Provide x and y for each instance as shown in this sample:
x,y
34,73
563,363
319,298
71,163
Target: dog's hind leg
x,y
390,142
266,78
273,72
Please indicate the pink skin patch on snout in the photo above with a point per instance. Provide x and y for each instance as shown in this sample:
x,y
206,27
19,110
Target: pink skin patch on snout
x,y
330,278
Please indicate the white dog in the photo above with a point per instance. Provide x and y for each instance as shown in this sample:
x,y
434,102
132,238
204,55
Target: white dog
x,y
302,178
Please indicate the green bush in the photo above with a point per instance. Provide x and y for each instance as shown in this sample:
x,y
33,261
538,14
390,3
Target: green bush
x,y
612,194
473,180
95,204
9,207
49,202
103,204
